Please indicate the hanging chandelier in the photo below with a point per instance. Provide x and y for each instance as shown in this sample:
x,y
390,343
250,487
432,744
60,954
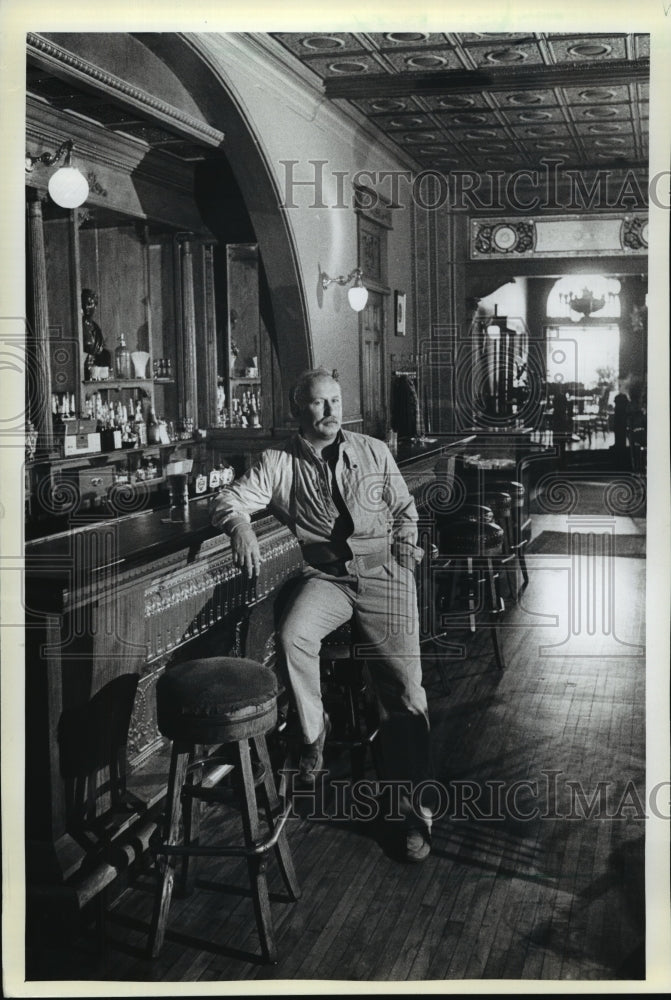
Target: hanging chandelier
x,y
586,303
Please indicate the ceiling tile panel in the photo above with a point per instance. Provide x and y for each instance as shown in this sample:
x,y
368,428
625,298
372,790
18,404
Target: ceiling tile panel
x,y
597,94
390,40
525,132
419,137
498,100
587,129
455,102
534,116
465,37
588,48
467,119
524,98
505,53
387,105
308,44
601,113
424,60
480,134
404,122
357,64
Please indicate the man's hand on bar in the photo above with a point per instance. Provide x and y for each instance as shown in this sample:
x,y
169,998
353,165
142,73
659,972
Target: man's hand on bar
x,y
245,548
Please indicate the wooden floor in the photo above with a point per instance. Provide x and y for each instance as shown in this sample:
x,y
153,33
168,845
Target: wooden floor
x,y
522,882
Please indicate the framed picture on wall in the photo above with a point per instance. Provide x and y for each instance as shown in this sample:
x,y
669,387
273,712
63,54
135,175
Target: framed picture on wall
x,y
399,302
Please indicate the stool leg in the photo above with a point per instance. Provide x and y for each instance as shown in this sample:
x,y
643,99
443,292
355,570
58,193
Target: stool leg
x,y
256,864
178,764
454,583
494,614
370,714
272,804
519,544
511,572
191,826
358,748
523,564
473,584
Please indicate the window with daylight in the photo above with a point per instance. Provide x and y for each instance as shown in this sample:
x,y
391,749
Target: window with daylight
x,y
583,355
583,333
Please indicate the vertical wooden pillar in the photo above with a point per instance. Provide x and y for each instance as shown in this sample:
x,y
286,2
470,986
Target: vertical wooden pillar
x,y
209,380
188,395
38,355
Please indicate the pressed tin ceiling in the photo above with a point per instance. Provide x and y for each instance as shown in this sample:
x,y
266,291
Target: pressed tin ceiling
x,y
503,101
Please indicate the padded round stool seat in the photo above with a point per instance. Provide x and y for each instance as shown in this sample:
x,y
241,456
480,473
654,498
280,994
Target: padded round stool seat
x,y
475,512
216,700
470,538
337,645
513,488
499,501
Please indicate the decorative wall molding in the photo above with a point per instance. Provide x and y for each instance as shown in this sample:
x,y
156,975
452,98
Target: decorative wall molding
x,y
559,236
56,59
103,150
190,601
634,235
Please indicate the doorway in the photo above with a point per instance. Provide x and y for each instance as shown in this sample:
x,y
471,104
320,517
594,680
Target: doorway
x,y
371,333
583,363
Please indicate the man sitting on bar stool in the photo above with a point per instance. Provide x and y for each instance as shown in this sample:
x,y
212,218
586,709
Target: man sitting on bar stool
x,y
344,498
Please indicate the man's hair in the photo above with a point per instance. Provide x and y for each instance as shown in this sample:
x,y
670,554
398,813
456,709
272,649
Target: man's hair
x,y
299,395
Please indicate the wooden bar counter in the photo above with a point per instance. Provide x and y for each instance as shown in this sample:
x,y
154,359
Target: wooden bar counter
x,y
109,604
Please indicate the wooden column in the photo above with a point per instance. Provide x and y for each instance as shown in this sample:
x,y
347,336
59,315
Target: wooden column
x,y
188,395
38,340
209,380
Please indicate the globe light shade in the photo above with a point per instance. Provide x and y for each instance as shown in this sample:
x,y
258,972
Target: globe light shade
x,y
358,297
68,187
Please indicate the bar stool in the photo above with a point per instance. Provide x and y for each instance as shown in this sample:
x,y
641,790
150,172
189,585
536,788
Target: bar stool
x,y
519,524
474,543
230,702
500,503
339,666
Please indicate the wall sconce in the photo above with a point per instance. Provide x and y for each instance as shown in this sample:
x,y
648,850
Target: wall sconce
x,y
67,186
357,294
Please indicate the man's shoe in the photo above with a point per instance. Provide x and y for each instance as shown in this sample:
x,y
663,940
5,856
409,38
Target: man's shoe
x,y
417,845
312,755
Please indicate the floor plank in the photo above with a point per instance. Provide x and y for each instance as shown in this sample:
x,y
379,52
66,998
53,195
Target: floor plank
x,y
515,888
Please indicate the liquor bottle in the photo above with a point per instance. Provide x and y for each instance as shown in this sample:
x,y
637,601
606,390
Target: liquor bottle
x,y
200,485
213,479
122,359
152,429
